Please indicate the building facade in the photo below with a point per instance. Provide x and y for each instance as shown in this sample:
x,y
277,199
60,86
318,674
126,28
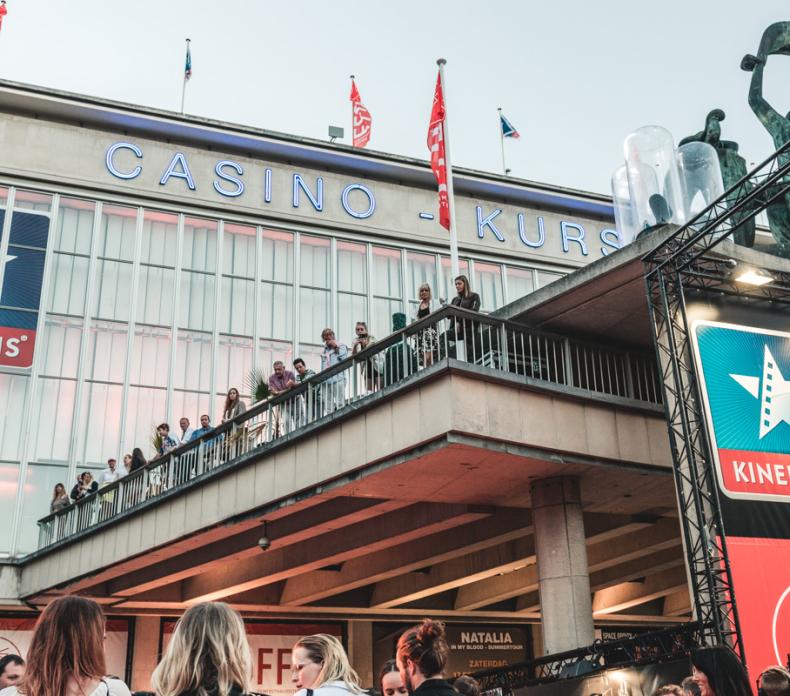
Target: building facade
x,y
151,261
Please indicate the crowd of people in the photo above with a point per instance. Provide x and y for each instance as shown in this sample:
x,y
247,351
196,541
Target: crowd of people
x,y
331,397
208,655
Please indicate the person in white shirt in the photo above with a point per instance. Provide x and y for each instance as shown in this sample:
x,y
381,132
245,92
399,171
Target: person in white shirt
x,y
184,433
320,665
110,474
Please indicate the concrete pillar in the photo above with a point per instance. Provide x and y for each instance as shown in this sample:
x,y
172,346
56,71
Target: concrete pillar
x,y
564,581
360,650
146,645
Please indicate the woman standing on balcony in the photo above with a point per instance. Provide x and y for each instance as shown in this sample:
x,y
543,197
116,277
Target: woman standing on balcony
x,y
60,499
428,338
464,328
234,406
208,655
66,654
320,665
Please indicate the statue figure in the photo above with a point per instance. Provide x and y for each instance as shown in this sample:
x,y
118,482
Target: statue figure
x,y
733,168
776,40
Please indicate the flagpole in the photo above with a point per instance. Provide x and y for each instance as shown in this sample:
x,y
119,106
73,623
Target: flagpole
x,y
502,141
184,86
450,200
352,113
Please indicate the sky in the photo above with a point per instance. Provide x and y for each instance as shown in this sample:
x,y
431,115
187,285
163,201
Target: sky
x,y
573,76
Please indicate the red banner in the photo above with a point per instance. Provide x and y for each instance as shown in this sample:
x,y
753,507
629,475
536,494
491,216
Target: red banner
x,y
762,473
16,346
436,148
362,119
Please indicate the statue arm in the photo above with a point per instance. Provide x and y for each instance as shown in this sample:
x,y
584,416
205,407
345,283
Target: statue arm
x,y
763,110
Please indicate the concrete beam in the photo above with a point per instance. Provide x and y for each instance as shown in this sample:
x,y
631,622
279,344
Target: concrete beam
x,y
677,603
630,594
443,547
599,529
325,517
362,538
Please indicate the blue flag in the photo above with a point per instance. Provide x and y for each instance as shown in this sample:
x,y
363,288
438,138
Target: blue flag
x,y
508,131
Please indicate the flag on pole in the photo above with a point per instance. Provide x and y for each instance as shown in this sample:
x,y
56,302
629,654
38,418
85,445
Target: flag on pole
x,y
436,148
508,131
188,63
362,120
3,12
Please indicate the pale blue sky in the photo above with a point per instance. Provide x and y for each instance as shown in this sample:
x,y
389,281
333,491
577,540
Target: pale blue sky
x,y
573,76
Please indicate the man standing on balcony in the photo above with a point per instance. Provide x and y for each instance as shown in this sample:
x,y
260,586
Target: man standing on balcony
x,y
310,406
205,426
186,432
110,474
167,442
280,381
334,389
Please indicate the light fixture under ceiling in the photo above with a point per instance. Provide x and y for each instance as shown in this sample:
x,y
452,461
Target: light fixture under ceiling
x,y
753,277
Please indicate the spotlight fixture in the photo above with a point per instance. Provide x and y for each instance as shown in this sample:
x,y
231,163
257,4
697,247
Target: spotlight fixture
x,y
753,277
264,542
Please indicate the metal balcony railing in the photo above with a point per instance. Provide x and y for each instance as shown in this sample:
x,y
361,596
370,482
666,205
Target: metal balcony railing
x,y
448,334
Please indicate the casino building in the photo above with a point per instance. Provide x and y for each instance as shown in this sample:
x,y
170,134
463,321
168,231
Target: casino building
x,y
150,261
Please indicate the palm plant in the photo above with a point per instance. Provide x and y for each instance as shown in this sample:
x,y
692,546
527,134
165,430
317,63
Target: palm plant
x,y
259,385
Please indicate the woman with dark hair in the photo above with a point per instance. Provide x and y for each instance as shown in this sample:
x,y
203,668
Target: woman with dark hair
x,y
390,683
66,654
234,406
138,460
464,328
719,672
421,656
60,498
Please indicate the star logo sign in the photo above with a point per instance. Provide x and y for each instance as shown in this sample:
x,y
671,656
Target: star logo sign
x,y
9,258
773,391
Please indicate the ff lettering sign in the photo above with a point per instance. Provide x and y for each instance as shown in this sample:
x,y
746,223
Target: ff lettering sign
x,y
125,161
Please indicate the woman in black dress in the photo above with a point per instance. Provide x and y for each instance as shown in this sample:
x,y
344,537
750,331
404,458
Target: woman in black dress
x,y
465,299
428,338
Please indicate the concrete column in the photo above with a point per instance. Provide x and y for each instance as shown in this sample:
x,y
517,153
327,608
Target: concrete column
x,y
146,645
360,650
564,581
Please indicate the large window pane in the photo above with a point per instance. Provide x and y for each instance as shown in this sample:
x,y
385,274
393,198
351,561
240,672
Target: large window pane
x,y
75,226
196,310
160,238
352,271
69,282
381,317
520,282
39,485
276,311
269,351
278,256
235,365
145,410
313,314
116,232
193,361
386,272
237,306
448,291
106,354
61,346
101,420
155,295
32,200
350,310
200,245
314,254
53,408
13,390
420,268
9,484
150,356
488,284
546,277
238,255
191,405
113,290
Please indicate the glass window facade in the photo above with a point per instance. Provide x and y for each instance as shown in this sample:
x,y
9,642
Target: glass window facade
x,y
148,315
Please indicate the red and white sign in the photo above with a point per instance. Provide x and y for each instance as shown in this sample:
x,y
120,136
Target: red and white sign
x,y
16,346
437,150
270,644
755,473
761,576
16,634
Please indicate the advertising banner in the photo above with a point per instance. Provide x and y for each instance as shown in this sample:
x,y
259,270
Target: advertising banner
x,y
16,632
473,649
271,645
744,375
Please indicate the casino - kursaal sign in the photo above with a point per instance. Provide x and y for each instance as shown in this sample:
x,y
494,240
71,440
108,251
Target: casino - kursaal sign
x,y
745,378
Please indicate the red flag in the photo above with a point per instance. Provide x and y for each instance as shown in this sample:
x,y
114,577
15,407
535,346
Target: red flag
x,y
436,147
362,120
3,12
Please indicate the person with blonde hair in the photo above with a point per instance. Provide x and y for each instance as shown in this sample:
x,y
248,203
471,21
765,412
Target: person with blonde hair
x,y
66,653
320,664
208,655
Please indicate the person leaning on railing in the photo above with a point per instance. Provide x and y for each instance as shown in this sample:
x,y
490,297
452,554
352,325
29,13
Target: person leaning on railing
x,y
428,338
464,328
60,499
